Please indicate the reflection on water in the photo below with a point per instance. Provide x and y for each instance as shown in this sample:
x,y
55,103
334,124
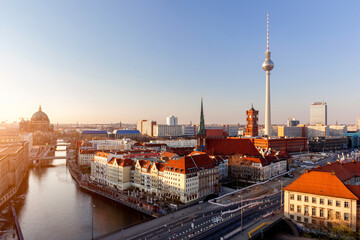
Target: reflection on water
x,y
51,206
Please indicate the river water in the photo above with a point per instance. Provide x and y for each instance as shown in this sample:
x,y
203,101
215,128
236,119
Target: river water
x,y
50,205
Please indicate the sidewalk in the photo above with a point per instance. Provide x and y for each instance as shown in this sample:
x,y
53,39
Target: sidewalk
x,y
159,222
251,226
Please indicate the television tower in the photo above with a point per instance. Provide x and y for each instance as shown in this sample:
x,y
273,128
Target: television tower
x,y
267,65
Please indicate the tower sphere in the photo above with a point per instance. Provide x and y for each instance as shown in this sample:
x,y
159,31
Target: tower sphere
x,y
268,65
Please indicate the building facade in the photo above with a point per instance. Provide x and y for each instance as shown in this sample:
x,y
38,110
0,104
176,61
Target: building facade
x,y
321,200
318,113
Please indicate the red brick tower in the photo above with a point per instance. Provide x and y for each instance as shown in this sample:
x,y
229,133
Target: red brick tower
x,y
252,128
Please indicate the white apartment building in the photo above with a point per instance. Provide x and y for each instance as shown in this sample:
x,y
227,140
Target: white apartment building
x,y
337,130
118,173
186,179
293,131
112,144
317,131
320,199
162,130
183,143
99,167
86,156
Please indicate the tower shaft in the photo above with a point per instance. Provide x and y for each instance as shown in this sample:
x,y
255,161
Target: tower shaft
x,y
267,106
267,65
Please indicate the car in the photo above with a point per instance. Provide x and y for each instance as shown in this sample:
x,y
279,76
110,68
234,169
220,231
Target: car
x,y
289,175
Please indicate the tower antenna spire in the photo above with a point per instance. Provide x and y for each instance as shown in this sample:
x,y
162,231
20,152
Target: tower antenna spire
x,y
267,36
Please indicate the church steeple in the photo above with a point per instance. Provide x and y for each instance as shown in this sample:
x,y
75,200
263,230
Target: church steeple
x,y
201,135
202,130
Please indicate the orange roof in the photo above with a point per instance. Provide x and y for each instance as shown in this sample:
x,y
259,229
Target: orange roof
x,y
190,163
230,146
102,154
321,183
168,154
122,162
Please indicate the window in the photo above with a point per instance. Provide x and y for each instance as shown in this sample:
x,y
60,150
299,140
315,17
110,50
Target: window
x,y
321,212
329,202
346,216
329,216
291,207
313,200
321,201
338,203
291,216
306,199
292,196
299,209
298,218
306,210
346,204
299,197
337,215
313,211
306,220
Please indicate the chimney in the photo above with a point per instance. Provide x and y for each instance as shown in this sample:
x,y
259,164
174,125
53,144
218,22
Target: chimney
x,y
329,163
306,170
318,166
332,172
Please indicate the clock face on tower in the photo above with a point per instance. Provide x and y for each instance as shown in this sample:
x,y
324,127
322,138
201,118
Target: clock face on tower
x,y
250,116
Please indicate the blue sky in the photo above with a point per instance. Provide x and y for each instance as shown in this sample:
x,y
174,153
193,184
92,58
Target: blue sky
x,y
111,61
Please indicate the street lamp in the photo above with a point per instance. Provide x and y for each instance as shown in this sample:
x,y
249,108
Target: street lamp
x,y
92,220
281,194
241,204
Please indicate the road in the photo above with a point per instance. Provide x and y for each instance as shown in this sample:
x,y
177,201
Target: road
x,y
203,225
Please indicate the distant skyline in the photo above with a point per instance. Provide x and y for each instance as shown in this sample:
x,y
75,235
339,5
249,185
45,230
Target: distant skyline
x,y
112,61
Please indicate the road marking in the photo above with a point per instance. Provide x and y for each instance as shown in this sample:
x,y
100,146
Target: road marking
x,y
258,227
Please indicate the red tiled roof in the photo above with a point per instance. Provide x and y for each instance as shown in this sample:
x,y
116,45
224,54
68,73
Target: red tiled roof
x,y
87,151
355,189
260,160
102,154
168,154
344,171
321,183
190,163
160,166
215,133
231,146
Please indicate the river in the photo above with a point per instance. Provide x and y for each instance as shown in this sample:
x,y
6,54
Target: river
x,y
50,205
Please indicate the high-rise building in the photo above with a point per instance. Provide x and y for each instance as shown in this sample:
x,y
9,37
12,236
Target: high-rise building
x,y
267,65
252,128
172,121
292,122
318,113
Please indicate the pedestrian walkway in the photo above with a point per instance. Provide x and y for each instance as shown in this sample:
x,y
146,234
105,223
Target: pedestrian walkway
x,y
254,226
158,222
